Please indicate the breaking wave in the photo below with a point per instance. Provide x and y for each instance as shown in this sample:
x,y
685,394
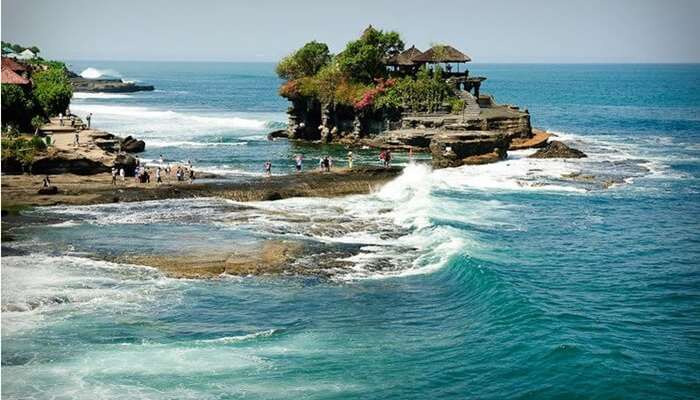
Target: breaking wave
x,y
94,73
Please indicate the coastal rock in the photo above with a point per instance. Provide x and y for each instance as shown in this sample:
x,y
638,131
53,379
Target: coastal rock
x,y
126,161
81,84
67,163
557,149
48,190
452,149
403,139
280,133
132,145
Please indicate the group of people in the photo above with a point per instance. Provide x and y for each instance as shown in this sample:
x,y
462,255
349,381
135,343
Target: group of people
x,y
325,163
71,117
143,174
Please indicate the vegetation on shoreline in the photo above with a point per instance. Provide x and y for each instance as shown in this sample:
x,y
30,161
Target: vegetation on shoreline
x,y
48,95
357,77
25,108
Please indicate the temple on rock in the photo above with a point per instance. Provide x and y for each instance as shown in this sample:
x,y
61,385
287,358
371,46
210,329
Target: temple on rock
x,y
401,98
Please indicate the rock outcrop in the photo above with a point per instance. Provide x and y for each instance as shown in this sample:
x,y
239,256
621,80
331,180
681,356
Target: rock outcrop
x,y
132,145
557,149
62,162
81,84
453,149
126,161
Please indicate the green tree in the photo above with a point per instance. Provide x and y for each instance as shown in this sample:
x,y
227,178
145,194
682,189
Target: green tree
x,y
306,61
52,90
17,106
363,59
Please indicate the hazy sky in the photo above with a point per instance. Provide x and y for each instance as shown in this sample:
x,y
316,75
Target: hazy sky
x,y
264,30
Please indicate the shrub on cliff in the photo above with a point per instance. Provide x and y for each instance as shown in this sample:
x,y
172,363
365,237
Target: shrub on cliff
x,y
307,61
22,150
425,93
52,90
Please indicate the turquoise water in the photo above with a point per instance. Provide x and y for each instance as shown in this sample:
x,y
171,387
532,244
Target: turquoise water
x,y
497,281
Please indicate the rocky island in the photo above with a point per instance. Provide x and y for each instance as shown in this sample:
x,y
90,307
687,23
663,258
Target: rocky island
x,y
378,93
111,85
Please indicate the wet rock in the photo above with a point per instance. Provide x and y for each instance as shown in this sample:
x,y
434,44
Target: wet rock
x,y
452,149
50,190
557,149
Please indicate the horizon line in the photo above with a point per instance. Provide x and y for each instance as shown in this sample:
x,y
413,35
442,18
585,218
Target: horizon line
x,y
469,63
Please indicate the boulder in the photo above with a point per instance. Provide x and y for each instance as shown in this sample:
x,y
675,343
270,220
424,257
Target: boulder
x,y
110,145
452,149
132,145
49,190
557,149
126,161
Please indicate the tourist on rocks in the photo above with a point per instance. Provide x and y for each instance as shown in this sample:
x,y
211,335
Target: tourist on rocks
x,y
76,139
298,161
191,175
46,182
114,175
320,163
387,158
178,174
88,118
158,178
268,168
326,164
122,174
60,119
382,157
350,159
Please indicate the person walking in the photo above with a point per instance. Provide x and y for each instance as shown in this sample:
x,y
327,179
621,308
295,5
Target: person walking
x,y
60,119
350,159
298,161
88,118
158,178
387,158
122,174
76,139
114,176
268,168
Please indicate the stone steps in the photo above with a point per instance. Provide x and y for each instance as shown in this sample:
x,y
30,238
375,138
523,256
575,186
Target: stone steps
x,y
471,106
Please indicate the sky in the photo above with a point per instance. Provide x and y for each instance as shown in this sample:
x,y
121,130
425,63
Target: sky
x,y
519,31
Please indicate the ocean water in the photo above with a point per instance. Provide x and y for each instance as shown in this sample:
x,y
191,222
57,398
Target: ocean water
x,y
553,279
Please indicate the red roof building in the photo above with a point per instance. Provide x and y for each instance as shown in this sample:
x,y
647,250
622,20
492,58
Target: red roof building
x,y
12,65
11,77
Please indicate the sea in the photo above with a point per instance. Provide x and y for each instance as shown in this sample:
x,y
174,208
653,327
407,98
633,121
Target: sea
x,y
527,278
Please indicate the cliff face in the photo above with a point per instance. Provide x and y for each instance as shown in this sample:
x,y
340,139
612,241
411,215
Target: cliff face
x,y
480,136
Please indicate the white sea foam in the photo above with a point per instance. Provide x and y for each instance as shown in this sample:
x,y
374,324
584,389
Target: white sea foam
x,y
86,95
37,286
94,73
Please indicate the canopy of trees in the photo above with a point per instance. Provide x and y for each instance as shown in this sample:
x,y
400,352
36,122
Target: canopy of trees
x,y
357,76
307,61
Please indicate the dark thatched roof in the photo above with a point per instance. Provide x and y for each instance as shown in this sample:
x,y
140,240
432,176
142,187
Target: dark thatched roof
x,y
442,53
405,58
